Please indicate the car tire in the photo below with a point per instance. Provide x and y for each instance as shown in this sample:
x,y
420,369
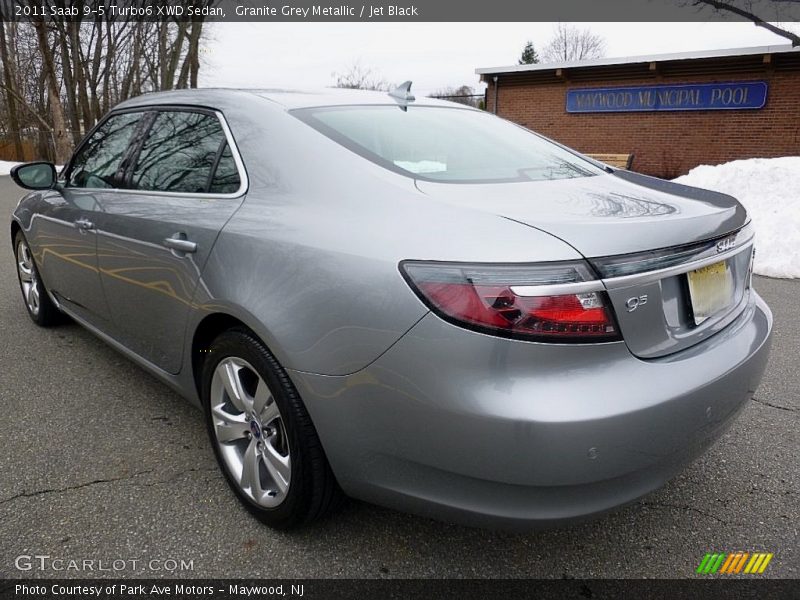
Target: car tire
x,y
41,308
262,435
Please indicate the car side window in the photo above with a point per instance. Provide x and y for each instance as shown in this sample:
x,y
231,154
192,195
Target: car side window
x,y
98,160
185,152
226,176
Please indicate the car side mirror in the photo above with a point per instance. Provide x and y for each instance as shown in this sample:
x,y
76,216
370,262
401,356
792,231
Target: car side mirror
x,y
39,175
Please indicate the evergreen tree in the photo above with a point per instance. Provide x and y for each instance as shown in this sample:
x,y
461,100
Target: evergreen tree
x,y
529,55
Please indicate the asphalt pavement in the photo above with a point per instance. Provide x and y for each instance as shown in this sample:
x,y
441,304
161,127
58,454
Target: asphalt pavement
x,y
101,462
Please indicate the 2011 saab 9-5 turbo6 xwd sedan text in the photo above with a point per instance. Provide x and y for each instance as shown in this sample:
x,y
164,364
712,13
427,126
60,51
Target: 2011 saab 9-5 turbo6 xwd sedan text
x,y
414,303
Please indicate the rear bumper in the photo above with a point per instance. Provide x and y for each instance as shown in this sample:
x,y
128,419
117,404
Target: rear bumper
x,y
462,426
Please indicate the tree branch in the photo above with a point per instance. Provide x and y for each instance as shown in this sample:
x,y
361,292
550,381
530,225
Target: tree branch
x,y
28,107
758,21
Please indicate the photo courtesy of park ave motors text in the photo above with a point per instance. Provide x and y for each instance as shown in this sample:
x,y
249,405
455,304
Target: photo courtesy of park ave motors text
x,y
297,297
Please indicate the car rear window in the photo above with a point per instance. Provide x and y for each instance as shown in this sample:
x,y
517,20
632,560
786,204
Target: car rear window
x,y
446,144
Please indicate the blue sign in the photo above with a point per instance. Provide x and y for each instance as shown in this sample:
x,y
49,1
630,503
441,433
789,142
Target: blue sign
x,y
695,96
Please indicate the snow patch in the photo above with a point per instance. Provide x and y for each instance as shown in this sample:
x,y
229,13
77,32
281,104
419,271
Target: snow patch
x,y
5,166
769,188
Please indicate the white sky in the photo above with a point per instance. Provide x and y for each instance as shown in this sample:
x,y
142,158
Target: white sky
x,y
432,55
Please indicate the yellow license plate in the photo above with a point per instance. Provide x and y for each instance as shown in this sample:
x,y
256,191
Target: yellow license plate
x,y
710,290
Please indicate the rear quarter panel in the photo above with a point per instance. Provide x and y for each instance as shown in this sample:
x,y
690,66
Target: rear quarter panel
x,y
310,260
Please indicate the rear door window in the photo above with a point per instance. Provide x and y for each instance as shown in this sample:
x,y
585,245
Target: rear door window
x,y
226,176
185,152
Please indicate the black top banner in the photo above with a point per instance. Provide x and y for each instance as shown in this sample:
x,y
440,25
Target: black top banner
x,y
402,10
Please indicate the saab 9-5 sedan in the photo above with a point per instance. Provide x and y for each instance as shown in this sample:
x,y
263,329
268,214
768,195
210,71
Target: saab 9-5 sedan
x,y
410,302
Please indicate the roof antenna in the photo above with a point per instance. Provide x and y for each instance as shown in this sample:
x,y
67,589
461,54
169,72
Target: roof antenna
x,y
402,93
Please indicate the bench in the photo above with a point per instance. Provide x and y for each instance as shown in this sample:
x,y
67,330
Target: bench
x,y
620,161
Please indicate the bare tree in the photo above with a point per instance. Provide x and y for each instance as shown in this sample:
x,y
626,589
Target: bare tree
x,y
359,77
59,75
463,94
570,43
746,10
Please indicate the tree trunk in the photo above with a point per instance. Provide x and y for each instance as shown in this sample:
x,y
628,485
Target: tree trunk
x,y
10,79
125,91
161,60
173,55
191,62
111,54
97,111
79,69
69,80
61,143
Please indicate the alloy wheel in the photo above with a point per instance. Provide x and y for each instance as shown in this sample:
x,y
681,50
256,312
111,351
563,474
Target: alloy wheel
x,y
27,278
250,432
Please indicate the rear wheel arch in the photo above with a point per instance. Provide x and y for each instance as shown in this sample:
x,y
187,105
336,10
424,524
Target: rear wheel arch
x,y
207,330
215,324
319,491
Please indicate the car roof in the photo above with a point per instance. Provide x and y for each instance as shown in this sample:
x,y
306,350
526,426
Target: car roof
x,y
288,99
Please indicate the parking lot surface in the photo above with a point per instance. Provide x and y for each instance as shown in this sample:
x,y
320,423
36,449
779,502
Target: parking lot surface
x,y
102,462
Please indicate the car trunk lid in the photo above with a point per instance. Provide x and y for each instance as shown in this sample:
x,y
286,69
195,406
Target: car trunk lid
x,y
676,261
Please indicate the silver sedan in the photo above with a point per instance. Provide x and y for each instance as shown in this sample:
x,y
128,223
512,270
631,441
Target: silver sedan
x,y
406,301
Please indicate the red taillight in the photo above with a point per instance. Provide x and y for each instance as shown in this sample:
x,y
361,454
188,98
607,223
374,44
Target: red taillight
x,y
516,301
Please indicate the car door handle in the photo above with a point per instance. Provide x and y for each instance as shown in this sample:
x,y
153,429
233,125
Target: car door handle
x,y
84,224
180,244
